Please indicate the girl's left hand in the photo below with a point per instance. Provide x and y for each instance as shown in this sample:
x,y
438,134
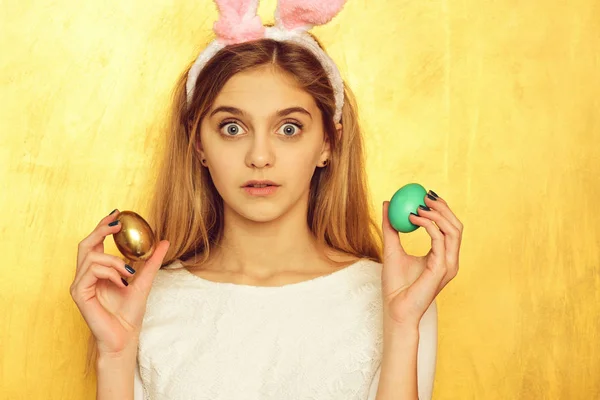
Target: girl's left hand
x,y
411,283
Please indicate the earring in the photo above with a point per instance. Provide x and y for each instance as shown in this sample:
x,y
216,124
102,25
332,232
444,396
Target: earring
x,y
325,163
203,162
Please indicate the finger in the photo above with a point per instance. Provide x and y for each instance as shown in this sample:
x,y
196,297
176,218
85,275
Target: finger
x,y
94,273
424,290
97,236
440,205
437,196
114,215
149,270
106,260
110,217
451,234
96,317
392,248
447,278
451,239
437,237
452,229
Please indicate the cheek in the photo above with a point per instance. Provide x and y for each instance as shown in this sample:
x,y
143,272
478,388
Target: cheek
x,y
305,159
223,167
299,164
217,151
220,168
297,169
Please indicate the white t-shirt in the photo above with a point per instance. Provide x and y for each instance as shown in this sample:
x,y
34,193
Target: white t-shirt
x,y
317,339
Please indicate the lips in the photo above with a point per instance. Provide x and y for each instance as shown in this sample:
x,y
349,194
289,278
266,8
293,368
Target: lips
x,y
260,189
259,184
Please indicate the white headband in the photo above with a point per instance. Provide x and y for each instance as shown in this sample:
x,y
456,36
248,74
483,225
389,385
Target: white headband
x,y
238,23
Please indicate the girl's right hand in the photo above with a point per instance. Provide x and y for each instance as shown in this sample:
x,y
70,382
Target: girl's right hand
x,y
113,310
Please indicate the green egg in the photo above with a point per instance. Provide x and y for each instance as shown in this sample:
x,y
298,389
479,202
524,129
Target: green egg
x,y
406,200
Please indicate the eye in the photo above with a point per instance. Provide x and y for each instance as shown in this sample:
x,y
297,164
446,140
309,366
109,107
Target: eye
x,y
290,129
230,128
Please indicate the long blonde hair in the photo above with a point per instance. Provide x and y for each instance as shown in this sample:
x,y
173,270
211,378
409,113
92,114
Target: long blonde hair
x,y
186,208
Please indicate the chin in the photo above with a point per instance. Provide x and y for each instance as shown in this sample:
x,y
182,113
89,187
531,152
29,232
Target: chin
x,y
259,212
262,210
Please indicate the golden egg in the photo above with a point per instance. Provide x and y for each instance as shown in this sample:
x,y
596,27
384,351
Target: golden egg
x,y
135,240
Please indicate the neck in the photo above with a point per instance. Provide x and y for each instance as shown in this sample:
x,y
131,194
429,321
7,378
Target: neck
x,y
262,249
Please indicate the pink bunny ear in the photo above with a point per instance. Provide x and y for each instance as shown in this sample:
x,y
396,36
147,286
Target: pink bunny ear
x,y
292,14
238,21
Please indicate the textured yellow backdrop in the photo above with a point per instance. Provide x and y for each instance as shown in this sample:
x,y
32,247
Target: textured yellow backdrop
x,y
493,105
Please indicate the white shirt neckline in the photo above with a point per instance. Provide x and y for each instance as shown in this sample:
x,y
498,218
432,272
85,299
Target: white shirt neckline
x,y
312,283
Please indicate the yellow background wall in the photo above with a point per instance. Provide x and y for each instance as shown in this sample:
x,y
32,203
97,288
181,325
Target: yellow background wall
x,y
493,105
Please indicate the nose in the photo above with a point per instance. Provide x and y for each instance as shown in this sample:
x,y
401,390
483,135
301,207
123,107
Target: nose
x,y
261,153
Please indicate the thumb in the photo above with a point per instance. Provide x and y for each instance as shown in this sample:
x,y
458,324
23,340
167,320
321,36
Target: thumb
x,y
144,280
392,248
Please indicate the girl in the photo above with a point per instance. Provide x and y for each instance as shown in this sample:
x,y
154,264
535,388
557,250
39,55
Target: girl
x,y
269,281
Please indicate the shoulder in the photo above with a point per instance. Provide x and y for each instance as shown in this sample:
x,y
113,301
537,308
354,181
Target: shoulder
x,y
373,265
166,279
169,270
363,282
340,260
370,269
170,290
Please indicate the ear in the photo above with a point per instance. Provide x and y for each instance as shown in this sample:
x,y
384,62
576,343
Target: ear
x,y
199,148
326,149
325,152
339,129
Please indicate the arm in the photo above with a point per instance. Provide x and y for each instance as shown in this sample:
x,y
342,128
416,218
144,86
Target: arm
x,y
116,375
428,331
410,285
408,363
138,386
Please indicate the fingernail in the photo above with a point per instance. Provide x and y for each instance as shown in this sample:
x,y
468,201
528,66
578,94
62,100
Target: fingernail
x,y
416,215
124,282
425,208
433,193
431,197
112,212
129,269
113,223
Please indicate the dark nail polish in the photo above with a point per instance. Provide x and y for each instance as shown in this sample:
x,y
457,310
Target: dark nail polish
x,y
112,212
124,282
416,215
434,194
129,269
431,197
113,223
425,208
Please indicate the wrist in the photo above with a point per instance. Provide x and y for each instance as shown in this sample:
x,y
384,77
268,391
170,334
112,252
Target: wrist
x,y
112,361
398,338
128,354
115,374
398,379
395,329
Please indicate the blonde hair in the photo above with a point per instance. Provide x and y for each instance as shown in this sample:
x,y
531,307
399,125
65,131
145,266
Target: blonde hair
x,y
186,208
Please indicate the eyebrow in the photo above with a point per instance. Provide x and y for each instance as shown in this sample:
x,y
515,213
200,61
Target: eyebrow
x,y
279,113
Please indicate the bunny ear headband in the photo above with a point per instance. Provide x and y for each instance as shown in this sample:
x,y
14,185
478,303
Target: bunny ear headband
x,y
238,23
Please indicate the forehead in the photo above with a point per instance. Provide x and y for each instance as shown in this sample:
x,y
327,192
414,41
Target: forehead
x,y
262,91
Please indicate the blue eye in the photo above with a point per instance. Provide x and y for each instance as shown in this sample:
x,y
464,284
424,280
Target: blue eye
x,y
290,129
231,128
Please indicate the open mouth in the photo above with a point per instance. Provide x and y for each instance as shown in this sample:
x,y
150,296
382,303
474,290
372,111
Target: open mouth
x,y
259,184
260,188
